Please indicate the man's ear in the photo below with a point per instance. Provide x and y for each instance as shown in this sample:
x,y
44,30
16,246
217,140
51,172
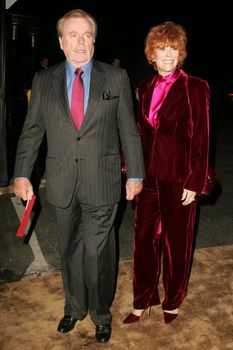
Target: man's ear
x,y
60,42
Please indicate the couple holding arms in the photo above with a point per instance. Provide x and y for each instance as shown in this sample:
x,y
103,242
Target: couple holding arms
x,y
166,157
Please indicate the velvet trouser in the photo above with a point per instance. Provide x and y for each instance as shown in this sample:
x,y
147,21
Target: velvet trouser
x,y
88,259
164,229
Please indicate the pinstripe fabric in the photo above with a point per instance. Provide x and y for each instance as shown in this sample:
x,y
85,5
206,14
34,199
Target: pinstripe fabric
x,y
88,259
92,155
83,177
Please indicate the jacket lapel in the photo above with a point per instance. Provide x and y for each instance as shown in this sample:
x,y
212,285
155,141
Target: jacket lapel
x,y
96,89
173,95
146,99
97,82
59,87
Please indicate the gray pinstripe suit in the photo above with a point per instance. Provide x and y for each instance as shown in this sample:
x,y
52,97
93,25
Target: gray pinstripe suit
x,y
83,177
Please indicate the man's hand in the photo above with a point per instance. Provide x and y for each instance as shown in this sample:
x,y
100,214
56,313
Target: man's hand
x,y
23,189
188,197
132,188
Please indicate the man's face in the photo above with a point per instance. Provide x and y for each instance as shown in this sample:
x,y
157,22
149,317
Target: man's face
x,y
77,41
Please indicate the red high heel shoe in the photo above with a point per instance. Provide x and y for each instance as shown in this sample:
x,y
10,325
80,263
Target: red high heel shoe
x,y
169,317
135,318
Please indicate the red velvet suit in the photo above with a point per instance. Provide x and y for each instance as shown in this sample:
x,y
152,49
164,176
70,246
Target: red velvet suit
x,y
176,157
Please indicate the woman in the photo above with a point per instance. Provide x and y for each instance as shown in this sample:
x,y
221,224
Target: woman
x,y
173,120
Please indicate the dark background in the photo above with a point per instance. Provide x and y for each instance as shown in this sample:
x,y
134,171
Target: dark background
x,y
122,32
122,29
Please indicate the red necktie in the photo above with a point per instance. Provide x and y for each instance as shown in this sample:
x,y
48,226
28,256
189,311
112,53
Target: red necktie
x,y
77,99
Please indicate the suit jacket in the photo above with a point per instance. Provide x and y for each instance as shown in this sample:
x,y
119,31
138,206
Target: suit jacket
x,y
177,148
92,155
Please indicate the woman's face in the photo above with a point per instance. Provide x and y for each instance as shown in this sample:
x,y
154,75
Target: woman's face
x,y
166,59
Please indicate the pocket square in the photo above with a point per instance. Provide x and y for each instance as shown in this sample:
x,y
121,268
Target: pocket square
x,y
107,95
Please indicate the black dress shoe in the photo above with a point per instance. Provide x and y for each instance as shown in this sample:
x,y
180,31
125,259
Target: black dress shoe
x,y
66,324
103,333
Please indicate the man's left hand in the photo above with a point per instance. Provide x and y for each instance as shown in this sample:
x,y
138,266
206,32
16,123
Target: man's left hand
x,y
133,188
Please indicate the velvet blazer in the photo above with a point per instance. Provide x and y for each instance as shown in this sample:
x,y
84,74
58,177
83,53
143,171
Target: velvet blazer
x,y
177,148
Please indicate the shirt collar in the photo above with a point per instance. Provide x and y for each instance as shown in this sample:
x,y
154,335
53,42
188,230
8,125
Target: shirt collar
x,y
170,78
86,68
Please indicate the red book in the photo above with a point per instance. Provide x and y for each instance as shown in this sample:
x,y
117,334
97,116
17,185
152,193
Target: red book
x,y
26,216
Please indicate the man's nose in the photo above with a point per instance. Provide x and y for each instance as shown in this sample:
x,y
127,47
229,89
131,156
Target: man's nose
x,y
80,39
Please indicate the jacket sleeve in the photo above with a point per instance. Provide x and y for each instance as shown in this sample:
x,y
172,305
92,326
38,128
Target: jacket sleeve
x,y
31,135
199,99
129,134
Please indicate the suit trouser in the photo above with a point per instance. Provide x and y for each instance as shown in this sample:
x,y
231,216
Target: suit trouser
x,y
88,259
162,226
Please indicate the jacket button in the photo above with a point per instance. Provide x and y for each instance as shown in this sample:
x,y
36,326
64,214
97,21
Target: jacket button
x,y
78,138
76,160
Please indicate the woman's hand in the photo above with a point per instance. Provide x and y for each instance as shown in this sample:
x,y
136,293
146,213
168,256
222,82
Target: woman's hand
x,y
188,197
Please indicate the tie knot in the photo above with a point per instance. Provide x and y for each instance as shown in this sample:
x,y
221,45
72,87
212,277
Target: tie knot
x,y
78,72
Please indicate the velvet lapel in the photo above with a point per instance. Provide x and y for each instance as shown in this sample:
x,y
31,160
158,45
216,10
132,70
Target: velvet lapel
x,y
174,94
146,98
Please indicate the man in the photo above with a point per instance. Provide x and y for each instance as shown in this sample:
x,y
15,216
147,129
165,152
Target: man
x,y
116,62
83,168
44,63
